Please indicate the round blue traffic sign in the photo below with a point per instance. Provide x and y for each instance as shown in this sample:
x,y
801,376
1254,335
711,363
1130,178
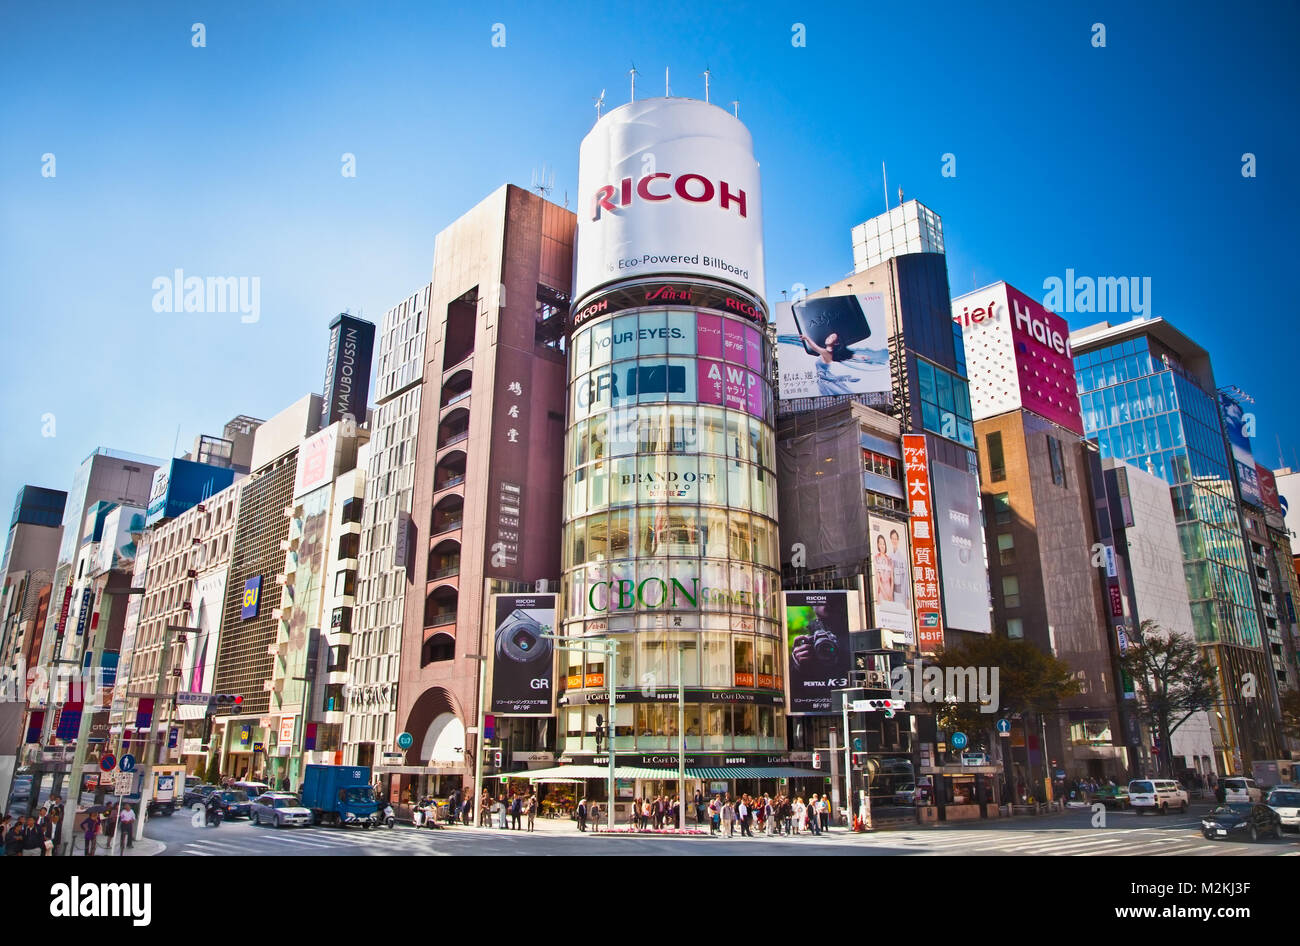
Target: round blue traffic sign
x,y
405,741
109,762
1004,725
959,740
128,763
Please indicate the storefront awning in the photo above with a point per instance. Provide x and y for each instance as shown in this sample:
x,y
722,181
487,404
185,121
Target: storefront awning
x,y
779,771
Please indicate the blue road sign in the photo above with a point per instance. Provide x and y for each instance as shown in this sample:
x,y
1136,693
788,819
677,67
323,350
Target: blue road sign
x,y
1004,727
128,763
108,762
405,741
959,740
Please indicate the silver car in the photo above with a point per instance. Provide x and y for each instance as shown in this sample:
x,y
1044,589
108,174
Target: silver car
x,y
1286,802
279,809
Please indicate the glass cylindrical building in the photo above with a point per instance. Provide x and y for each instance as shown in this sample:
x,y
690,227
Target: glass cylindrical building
x,y
670,502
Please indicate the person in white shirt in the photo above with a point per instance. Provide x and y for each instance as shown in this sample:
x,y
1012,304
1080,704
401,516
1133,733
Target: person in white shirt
x,y
127,827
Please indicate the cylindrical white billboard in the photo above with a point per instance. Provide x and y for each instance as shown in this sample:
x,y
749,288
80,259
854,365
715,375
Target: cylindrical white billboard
x,y
668,186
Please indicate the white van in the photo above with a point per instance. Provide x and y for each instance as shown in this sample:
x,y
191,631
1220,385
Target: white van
x,y
1158,794
1239,789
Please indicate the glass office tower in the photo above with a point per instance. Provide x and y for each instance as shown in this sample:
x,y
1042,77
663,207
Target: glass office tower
x,y
1147,396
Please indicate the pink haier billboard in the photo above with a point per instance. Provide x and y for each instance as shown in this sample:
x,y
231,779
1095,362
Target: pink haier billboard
x,y
1044,363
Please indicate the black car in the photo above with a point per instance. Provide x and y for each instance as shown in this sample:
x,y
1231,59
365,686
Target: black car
x,y
233,803
1242,820
197,795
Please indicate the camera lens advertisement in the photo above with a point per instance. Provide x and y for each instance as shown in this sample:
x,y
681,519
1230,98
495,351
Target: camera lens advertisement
x,y
523,664
817,636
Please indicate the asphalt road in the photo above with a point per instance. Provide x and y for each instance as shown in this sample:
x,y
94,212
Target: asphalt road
x,y
1070,833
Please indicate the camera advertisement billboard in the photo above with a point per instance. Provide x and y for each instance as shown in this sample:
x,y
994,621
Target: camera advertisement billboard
x,y
523,659
817,648
891,576
834,346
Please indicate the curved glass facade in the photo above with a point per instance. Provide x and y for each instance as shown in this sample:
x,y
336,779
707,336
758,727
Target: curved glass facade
x,y
670,533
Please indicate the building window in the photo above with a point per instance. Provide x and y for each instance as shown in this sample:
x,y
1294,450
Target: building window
x,y
997,462
1002,508
1015,628
1058,460
1006,548
1010,591
879,464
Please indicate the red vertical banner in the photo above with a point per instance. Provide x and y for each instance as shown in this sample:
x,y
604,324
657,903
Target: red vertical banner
x,y
925,574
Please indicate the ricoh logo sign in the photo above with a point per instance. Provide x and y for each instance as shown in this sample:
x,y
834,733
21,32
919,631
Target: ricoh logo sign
x,y
671,187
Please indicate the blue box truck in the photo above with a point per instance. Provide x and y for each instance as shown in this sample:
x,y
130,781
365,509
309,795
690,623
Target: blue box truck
x,y
339,794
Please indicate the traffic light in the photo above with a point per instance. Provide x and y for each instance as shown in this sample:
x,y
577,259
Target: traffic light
x,y
226,700
817,760
496,758
888,707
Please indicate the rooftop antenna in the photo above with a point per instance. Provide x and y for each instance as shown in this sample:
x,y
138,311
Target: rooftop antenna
x,y
885,178
668,89
544,181
600,103
632,73
706,82
735,107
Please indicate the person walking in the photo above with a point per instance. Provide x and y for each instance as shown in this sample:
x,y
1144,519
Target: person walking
x,y
13,837
594,815
814,822
715,816
516,813
531,810
698,802
55,833
729,817
742,815
127,828
108,827
582,814
33,839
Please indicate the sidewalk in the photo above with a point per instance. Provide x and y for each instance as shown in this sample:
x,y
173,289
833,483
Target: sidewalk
x,y
144,847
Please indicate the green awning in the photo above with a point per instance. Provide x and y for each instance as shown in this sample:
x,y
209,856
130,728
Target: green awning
x,y
779,771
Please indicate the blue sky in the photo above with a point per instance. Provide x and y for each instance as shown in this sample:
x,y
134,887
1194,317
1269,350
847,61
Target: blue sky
x,y
226,161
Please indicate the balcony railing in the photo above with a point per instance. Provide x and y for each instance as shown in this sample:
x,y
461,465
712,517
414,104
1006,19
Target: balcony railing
x,y
455,399
447,525
454,438
449,482
442,617
451,571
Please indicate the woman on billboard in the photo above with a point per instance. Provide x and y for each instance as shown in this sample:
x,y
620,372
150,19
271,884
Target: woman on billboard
x,y
827,355
882,567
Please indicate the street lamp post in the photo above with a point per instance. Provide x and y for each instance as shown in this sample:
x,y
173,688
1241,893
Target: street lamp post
x,y
150,753
478,735
681,739
609,646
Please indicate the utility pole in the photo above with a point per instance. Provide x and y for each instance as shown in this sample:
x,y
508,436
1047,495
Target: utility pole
x,y
151,752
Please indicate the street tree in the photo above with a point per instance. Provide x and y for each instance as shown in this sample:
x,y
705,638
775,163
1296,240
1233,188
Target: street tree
x,y
1028,681
1174,682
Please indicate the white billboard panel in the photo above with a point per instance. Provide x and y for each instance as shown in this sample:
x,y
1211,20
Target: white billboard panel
x,y
668,186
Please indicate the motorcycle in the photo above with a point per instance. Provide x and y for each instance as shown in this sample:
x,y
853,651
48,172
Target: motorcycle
x,y
385,816
213,817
